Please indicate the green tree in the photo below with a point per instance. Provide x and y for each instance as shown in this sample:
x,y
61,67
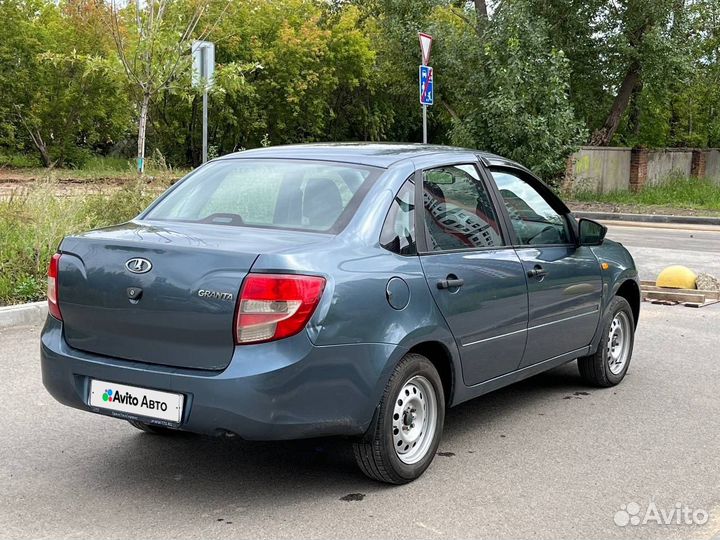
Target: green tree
x,y
509,87
153,44
57,78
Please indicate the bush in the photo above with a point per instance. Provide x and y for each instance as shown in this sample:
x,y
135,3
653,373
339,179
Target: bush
x,y
33,222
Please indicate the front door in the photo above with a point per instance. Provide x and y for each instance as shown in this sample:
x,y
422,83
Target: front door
x,y
564,281
476,278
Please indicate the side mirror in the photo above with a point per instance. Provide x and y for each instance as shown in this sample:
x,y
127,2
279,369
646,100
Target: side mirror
x,y
591,233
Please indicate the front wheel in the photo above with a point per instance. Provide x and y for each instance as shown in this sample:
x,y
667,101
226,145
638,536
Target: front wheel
x,y
403,440
609,364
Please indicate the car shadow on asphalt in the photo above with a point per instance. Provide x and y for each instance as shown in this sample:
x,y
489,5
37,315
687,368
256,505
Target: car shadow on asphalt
x,y
189,466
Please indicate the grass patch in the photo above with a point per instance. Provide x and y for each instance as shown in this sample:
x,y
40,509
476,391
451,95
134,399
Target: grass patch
x,y
18,160
34,221
676,192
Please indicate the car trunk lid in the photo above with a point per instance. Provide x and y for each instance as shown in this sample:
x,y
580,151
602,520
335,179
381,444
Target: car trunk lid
x,y
161,293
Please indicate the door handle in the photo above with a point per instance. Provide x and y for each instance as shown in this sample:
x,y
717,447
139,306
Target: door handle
x,y
537,272
450,283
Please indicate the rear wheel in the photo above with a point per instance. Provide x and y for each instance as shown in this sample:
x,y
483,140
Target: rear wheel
x,y
403,440
155,430
609,364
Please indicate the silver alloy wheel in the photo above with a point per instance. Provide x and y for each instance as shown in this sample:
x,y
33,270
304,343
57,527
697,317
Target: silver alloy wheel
x,y
414,419
618,345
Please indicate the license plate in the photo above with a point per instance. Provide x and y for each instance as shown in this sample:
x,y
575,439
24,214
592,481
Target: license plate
x,y
136,401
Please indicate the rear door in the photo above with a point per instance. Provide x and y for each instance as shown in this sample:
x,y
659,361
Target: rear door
x,y
475,277
564,281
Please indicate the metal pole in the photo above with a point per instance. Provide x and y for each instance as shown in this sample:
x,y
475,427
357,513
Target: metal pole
x,y
424,124
205,126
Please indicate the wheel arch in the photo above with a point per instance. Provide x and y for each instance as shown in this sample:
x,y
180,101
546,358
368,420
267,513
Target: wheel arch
x,y
630,291
440,357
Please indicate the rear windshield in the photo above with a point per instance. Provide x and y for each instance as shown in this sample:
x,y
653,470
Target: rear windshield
x,y
285,194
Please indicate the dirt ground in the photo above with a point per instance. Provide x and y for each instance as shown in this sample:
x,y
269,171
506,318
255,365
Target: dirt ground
x,y
576,206
16,182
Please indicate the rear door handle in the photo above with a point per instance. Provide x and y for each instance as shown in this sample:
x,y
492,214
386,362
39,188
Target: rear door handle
x,y
537,272
452,283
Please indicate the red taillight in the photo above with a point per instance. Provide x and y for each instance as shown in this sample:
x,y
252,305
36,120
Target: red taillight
x,y
52,290
273,306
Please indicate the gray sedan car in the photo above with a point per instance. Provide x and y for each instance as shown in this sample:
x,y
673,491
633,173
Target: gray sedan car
x,y
354,290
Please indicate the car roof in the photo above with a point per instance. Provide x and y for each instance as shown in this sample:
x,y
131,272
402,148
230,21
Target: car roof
x,y
373,154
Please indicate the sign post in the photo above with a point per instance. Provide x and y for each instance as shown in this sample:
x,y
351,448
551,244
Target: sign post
x,y
203,64
425,79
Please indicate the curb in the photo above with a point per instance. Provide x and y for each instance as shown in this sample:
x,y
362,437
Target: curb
x,y
23,315
650,218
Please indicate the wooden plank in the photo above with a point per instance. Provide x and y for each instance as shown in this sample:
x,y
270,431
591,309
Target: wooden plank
x,y
674,296
710,303
713,295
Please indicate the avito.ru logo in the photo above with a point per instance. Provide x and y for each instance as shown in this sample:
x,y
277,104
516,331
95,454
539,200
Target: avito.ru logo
x,y
680,514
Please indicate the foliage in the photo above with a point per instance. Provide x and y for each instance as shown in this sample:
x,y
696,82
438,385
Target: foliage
x,y
61,97
530,81
513,98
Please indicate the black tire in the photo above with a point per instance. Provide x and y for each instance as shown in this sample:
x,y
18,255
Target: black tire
x,y
595,369
155,430
375,454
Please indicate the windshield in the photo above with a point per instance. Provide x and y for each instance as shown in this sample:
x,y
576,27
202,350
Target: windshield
x,y
287,194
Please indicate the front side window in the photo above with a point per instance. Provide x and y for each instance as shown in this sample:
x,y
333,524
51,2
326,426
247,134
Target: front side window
x,y
535,222
398,232
459,213
305,195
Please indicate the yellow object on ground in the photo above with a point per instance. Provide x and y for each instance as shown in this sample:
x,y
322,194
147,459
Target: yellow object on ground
x,y
676,277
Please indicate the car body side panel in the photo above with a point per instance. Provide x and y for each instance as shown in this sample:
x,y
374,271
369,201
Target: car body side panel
x,y
488,314
565,304
621,268
355,307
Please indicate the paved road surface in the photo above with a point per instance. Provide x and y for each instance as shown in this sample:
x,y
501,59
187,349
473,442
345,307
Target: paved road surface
x,y
546,458
656,248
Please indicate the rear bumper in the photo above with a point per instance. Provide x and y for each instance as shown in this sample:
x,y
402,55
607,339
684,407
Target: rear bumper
x,y
288,389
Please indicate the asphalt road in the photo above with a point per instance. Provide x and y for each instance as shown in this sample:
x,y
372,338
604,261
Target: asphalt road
x,y
545,458
658,247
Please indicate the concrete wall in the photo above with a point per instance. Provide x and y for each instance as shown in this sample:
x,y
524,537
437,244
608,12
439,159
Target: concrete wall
x,y
712,165
608,169
663,163
601,169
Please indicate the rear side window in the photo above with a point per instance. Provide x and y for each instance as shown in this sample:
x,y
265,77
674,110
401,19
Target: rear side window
x,y
398,232
459,213
312,196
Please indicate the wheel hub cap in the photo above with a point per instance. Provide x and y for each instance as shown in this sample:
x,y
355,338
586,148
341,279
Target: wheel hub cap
x,y
414,419
618,344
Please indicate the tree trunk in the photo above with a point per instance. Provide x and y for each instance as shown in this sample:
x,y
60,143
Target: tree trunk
x,y
481,9
36,139
42,148
141,133
635,116
604,135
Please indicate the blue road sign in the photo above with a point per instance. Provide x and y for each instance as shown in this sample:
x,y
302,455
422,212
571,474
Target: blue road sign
x,y
426,85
